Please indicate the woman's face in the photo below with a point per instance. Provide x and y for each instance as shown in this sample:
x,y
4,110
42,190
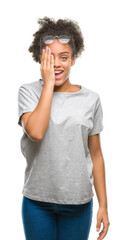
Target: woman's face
x,y
62,61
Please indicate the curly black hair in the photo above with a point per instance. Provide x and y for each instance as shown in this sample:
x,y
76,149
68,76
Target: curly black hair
x,y
48,26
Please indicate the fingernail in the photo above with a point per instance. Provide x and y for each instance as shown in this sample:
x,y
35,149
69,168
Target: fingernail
x,y
43,49
97,229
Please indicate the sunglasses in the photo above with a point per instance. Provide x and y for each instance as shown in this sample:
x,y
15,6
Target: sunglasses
x,y
50,39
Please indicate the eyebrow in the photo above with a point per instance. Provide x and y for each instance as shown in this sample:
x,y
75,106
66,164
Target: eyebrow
x,y
64,52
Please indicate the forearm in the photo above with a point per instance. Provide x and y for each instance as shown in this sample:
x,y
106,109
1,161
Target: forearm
x,y
39,119
99,180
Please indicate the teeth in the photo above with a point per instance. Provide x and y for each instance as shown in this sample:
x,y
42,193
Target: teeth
x,y
58,71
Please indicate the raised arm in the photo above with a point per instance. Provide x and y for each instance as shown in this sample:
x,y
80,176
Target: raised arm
x,y
36,123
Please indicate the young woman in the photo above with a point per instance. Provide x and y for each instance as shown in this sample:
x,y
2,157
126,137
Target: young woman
x,y
61,125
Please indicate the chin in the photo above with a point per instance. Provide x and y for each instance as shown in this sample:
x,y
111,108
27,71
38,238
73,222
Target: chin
x,y
59,82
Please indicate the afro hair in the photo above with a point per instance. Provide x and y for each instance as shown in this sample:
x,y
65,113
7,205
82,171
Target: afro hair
x,y
48,26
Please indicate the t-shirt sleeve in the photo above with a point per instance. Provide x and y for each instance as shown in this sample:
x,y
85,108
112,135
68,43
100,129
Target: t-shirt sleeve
x,y
26,102
97,119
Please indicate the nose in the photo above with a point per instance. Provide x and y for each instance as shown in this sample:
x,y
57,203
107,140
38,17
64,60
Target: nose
x,y
56,62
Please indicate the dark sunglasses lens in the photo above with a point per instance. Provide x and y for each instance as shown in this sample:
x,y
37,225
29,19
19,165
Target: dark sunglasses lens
x,y
48,39
64,38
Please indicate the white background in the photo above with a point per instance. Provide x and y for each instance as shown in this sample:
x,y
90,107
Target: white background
x,y
102,68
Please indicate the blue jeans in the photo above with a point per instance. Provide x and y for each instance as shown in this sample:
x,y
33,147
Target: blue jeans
x,y
52,221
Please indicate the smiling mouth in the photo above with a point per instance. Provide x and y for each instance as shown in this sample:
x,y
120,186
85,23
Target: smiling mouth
x,y
58,75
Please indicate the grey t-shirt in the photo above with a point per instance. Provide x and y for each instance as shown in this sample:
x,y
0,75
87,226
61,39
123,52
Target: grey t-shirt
x,y
59,167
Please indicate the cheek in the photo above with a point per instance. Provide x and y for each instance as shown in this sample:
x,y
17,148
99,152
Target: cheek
x,y
68,69
67,72
67,66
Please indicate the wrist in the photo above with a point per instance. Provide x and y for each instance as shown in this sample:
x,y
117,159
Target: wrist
x,y
49,86
104,206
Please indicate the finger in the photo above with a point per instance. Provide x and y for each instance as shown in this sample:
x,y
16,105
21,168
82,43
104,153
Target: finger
x,y
52,61
45,57
98,224
101,237
42,58
46,64
48,57
42,55
103,233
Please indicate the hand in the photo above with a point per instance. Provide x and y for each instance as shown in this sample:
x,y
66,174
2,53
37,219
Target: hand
x,y
47,67
102,216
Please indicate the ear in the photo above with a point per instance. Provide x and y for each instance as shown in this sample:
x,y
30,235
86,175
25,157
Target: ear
x,y
73,61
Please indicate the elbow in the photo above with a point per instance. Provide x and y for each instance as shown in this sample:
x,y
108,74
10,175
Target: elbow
x,y
36,137
33,135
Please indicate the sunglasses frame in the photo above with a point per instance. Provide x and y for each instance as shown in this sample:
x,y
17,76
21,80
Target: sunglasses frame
x,y
58,37
42,39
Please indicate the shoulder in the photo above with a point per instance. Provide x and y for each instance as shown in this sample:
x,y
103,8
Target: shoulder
x,y
91,94
31,88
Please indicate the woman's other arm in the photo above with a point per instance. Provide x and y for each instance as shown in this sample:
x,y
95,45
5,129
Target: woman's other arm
x,y
99,182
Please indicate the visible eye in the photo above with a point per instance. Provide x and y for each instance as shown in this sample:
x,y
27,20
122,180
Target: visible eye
x,y
65,58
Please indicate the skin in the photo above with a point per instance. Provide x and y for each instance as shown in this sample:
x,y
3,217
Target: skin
x,y
99,183
64,62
